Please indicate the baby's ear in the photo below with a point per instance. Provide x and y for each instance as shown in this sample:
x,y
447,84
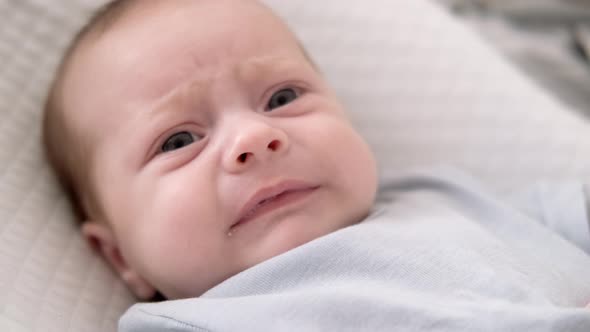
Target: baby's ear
x,y
102,240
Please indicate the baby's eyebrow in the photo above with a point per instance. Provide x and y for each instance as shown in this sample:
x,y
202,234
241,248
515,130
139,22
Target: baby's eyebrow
x,y
264,67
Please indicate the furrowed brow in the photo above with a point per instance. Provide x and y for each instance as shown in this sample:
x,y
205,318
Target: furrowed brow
x,y
191,92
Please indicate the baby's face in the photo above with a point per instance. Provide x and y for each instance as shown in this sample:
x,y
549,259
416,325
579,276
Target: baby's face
x,y
217,145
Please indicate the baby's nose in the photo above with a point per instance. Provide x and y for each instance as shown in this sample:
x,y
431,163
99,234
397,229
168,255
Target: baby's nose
x,y
254,142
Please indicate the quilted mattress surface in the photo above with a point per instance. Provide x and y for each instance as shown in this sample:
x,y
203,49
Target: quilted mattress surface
x,y
421,87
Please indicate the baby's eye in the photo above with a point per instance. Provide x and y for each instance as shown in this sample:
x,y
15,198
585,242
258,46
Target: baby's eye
x,y
282,98
178,141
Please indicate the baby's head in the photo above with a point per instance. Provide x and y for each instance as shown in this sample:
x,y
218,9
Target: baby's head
x,y
198,140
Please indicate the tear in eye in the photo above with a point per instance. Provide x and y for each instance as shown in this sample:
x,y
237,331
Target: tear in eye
x,y
178,141
282,98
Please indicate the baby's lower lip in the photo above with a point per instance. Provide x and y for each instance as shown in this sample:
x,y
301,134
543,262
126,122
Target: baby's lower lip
x,y
284,199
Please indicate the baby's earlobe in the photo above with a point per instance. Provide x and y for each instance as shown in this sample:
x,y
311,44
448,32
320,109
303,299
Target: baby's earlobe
x,y
140,287
101,238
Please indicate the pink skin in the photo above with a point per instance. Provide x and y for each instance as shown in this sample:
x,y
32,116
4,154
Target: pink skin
x,y
209,68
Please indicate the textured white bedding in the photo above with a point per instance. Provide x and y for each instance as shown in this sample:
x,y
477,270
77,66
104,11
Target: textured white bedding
x,y
421,87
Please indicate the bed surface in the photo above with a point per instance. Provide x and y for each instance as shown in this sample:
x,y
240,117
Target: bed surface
x,y
419,85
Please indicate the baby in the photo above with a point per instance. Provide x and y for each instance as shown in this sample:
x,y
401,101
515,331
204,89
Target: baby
x,y
201,140
210,161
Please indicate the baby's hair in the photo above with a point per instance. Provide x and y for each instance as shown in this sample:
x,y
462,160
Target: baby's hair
x,y
66,152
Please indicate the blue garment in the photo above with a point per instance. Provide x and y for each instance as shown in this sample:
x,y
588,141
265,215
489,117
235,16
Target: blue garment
x,y
437,254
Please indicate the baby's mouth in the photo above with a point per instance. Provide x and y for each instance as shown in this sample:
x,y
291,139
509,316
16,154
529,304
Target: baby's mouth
x,y
260,204
271,198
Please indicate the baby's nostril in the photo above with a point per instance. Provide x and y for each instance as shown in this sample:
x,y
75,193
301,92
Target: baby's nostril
x,y
242,158
274,145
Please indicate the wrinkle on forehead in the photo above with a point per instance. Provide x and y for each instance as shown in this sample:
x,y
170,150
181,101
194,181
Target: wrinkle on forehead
x,y
246,73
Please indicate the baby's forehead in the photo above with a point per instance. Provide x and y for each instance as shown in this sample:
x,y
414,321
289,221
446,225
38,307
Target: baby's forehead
x,y
132,12
119,14
156,38
248,22
162,45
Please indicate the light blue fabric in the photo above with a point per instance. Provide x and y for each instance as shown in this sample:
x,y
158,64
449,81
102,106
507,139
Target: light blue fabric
x,y
559,207
437,254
